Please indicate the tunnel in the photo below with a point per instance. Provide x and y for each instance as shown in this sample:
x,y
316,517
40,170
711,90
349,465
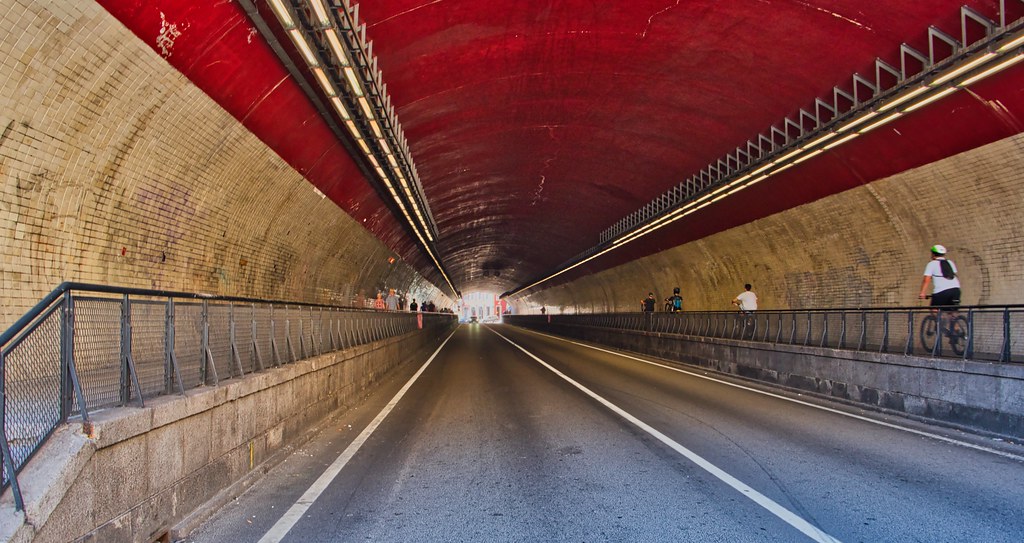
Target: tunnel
x,y
533,170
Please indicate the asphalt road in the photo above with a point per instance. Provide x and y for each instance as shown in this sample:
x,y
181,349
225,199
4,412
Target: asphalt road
x,y
532,438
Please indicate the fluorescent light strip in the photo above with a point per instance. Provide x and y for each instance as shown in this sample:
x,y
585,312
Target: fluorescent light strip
x,y
788,156
930,99
363,103
392,160
965,68
997,68
363,145
353,81
283,14
820,140
373,160
1011,44
321,12
382,141
876,124
762,168
837,143
324,82
335,43
805,157
351,125
300,42
904,98
855,122
339,106
784,168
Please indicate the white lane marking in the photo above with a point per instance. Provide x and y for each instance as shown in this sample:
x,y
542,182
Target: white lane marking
x,y
295,512
767,503
922,433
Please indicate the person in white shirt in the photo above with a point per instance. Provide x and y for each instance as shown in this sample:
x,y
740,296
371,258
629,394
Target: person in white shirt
x,y
747,300
942,273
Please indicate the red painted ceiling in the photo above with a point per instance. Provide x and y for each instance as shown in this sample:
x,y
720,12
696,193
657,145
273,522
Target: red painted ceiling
x,y
536,124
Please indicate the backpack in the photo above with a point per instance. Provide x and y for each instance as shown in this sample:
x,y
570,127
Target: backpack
x,y
947,269
677,302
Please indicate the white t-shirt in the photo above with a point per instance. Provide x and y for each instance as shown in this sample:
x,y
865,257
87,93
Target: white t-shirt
x,y
748,301
934,269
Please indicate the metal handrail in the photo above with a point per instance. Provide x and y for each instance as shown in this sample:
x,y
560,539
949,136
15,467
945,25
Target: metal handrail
x,y
85,347
986,333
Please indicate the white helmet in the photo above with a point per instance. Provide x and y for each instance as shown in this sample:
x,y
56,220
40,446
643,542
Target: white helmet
x,y
938,249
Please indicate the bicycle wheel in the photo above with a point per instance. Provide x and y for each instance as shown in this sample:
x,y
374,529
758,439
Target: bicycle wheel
x,y
958,333
928,333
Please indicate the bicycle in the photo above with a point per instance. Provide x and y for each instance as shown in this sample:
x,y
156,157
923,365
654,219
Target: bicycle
x,y
746,321
954,328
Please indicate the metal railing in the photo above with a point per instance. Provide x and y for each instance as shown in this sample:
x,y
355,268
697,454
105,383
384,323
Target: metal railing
x,y
89,347
982,333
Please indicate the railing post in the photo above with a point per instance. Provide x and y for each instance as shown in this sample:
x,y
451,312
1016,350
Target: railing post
x,y
237,358
255,344
171,371
5,450
863,330
275,354
884,347
909,348
129,378
1004,356
937,348
67,349
207,366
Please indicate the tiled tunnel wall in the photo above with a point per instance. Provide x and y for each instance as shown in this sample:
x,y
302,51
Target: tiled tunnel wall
x,y
115,169
866,247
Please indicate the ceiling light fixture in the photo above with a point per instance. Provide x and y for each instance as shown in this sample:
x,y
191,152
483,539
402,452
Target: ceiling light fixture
x,y
994,69
930,99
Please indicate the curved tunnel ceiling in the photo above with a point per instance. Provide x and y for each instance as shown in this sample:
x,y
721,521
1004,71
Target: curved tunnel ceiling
x,y
535,125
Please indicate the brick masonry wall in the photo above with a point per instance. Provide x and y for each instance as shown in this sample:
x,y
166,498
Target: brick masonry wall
x,y
115,169
866,247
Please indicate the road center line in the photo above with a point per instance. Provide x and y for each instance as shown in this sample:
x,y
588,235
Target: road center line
x,y
930,435
295,512
767,503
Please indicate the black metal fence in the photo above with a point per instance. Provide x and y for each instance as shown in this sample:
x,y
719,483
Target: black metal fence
x,y
983,333
88,347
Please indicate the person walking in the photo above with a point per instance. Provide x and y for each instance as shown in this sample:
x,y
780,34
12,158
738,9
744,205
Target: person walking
x,y
746,300
647,304
941,273
391,302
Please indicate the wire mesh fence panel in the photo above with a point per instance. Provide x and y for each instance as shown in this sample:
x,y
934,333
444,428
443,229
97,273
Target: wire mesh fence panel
x,y
989,338
219,319
280,335
262,317
149,329
311,331
1014,336
97,350
32,387
824,330
294,315
188,340
243,315
316,328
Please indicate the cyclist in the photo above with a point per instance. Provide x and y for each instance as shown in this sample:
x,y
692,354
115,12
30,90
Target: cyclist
x,y
941,272
674,303
746,300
